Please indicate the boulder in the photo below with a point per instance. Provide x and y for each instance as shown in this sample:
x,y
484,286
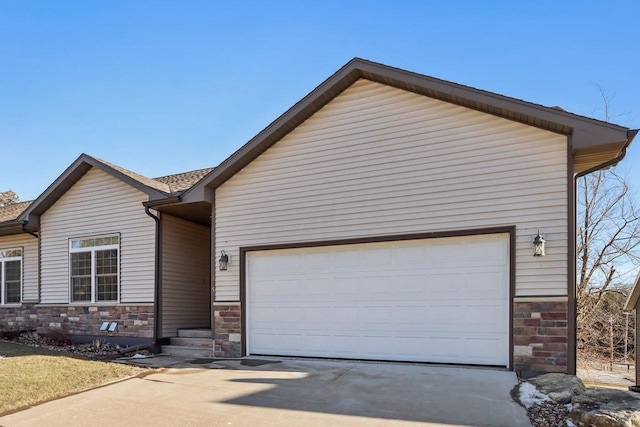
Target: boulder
x,y
559,387
606,408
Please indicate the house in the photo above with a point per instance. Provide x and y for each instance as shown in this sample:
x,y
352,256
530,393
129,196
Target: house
x,y
387,215
633,304
101,258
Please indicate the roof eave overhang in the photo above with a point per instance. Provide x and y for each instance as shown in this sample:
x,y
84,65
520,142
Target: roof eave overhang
x,y
196,211
634,296
601,157
587,134
9,228
157,203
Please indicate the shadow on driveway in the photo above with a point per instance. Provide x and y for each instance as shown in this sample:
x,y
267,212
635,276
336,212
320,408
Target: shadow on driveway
x,y
408,392
255,392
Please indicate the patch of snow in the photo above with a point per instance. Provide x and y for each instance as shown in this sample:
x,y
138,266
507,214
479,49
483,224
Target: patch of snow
x,y
529,395
139,356
570,424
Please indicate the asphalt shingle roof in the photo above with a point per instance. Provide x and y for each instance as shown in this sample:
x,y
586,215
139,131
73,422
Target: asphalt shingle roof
x,y
183,181
169,184
12,211
151,183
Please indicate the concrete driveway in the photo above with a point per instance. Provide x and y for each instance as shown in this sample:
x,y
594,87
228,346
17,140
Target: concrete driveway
x,y
289,393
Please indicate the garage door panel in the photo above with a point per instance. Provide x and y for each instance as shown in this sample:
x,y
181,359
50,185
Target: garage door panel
x,y
411,315
487,284
374,257
447,347
317,261
288,342
483,314
432,300
487,348
445,254
411,256
444,285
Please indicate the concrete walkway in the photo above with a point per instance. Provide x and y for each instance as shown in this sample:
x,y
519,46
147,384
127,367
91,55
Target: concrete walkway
x,y
270,392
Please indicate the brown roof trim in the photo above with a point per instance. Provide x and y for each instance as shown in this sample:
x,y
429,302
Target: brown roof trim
x,y
587,132
8,228
634,296
71,175
162,202
631,134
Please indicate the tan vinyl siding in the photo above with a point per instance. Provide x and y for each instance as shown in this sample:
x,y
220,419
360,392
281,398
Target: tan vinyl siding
x,y
29,245
636,349
99,204
382,161
186,290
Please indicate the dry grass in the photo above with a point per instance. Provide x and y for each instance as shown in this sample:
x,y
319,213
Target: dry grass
x,y
30,375
596,372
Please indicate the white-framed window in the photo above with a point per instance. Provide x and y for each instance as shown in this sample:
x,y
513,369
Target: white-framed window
x,y
10,276
94,269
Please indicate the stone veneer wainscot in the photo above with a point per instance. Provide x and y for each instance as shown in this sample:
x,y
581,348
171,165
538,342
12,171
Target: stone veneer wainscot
x,y
540,337
133,320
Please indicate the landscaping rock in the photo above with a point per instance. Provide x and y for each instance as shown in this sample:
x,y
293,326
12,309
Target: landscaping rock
x,y
606,408
96,349
559,387
548,414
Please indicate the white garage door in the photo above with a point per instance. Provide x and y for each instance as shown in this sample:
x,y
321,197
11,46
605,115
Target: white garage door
x,y
434,300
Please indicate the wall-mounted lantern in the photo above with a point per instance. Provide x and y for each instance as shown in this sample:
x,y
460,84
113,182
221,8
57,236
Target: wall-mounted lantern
x,y
224,260
538,245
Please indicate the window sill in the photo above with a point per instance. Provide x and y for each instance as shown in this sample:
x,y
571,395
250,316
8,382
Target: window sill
x,y
93,304
77,304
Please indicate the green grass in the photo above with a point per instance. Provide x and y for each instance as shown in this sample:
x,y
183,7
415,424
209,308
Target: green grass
x,y
11,350
31,375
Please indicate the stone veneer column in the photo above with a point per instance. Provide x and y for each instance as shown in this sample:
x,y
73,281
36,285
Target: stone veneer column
x,y
227,329
540,336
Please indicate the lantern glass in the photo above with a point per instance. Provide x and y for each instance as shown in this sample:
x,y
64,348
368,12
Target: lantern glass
x,y
538,245
224,260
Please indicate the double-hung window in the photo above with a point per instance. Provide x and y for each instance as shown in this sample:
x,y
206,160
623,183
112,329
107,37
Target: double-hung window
x,y
10,275
94,269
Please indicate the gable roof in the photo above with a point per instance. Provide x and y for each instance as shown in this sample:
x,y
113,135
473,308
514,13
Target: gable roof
x,y
160,188
634,296
590,137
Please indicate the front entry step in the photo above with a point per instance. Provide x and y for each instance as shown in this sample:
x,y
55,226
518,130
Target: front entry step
x,y
191,343
184,351
195,333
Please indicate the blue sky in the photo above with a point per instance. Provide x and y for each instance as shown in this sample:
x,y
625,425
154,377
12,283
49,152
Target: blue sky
x,y
161,87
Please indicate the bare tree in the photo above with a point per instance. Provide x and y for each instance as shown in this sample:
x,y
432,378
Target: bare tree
x,y
608,229
8,198
608,251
